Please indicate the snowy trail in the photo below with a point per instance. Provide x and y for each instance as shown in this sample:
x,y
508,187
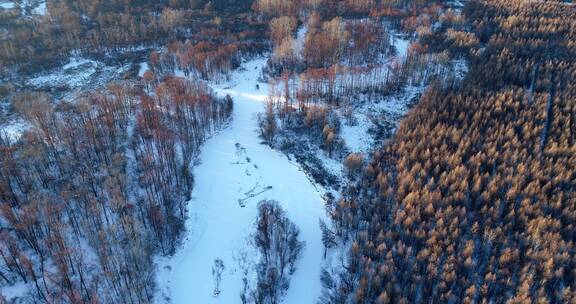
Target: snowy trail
x,y
237,170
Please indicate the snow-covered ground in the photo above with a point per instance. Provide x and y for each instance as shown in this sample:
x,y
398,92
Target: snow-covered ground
x,y
14,129
35,7
15,291
355,132
40,9
7,4
63,82
77,73
401,43
143,69
368,114
236,171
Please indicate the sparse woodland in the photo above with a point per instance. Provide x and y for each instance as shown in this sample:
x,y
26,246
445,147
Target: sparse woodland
x,y
97,187
345,58
276,239
95,28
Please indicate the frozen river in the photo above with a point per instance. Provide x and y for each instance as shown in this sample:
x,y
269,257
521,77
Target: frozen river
x,y
236,172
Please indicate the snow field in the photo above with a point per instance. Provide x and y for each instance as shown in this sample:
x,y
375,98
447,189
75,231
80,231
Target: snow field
x,y
236,171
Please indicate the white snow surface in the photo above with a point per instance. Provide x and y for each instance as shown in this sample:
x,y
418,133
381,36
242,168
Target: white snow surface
x,y
75,73
401,44
14,129
460,67
15,291
235,166
7,4
143,69
37,7
300,40
40,9
356,135
76,62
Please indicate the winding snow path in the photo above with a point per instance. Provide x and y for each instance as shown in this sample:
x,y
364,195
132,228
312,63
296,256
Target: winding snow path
x,y
236,172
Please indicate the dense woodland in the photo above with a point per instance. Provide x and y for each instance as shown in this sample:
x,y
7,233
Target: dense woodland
x,y
473,200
